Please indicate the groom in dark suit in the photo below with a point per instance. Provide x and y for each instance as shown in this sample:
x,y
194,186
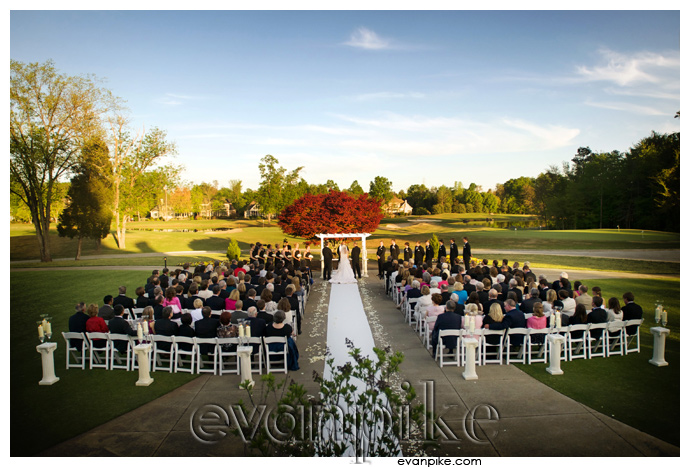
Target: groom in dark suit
x,y
327,255
355,261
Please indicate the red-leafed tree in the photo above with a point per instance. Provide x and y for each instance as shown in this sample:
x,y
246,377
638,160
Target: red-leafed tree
x,y
334,212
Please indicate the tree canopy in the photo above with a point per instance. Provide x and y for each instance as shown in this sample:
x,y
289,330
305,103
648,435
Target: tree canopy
x,y
334,212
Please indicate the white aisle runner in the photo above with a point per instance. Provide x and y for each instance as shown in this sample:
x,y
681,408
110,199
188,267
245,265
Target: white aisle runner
x,y
347,319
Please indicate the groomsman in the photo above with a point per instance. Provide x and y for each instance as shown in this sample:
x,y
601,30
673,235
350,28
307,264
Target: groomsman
x,y
395,250
453,251
441,252
355,261
418,254
381,256
407,252
327,255
429,255
466,252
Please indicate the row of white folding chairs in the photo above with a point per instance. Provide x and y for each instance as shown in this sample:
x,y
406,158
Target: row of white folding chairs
x,y
613,340
172,355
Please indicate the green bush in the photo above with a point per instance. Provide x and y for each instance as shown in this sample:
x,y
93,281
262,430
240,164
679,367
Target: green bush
x,y
433,241
234,251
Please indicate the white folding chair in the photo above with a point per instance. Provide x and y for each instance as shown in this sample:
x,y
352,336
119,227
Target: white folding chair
x,y
282,354
596,346
100,339
537,338
409,313
136,313
201,364
257,363
116,355
615,335
227,347
76,345
492,339
441,355
632,337
181,350
580,341
517,355
163,355
428,331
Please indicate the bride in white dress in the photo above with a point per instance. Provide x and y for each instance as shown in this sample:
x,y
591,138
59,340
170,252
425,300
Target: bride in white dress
x,y
344,273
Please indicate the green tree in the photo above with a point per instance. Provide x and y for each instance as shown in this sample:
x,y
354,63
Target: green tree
x,y
278,188
380,188
355,189
51,116
89,213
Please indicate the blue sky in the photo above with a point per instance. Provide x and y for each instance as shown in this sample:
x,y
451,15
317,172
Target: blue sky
x,y
429,97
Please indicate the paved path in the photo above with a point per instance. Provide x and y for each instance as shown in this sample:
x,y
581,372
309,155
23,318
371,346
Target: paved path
x,y
530,418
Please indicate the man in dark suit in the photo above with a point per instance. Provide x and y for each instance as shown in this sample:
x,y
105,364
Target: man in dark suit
x,y
631,310
597,315
429,257
381,257
207,328
77,323
527,304
513,318
407,252
214,301
418,254
106,311
448,320
250,301
166,327
466,252
395,250
327,255
356,251
118,325
123,299
261,313
493,298
441,253
192,295
453,251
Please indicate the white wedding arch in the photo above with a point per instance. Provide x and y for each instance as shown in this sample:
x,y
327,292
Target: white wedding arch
x,y
363,236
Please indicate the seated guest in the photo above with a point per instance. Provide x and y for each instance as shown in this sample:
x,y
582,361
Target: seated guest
x,y
515,287
597,315
527,305
147,317
196,313
238,314
186,329
227,329
423,302
206,328
118,325
204,291
267,297
215,301
447,320
106,311
96,323
414,291
250,301
548,304
77,322
631,310
474,298
123,299
473,313
579,317
445,294
568,303
172,300
435,309
495,316
513,318
493,298
261,311
192,295
584,298
278,327
166,327
232,300
459,290
615,313
537,321
142,302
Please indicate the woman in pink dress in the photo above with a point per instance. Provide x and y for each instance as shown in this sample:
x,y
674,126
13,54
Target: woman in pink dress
x,y
172,300
537,320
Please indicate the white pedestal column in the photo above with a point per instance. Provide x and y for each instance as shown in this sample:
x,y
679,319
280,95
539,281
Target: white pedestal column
x,y
244,353
470,344
142,353
46,350
556,341
659,346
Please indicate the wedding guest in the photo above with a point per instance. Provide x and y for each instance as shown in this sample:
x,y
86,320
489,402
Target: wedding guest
x,y
447,320
96,323
147,317
279,328
435,309
615,313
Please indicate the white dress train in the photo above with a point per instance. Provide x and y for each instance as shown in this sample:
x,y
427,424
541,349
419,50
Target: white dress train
x,y
344,273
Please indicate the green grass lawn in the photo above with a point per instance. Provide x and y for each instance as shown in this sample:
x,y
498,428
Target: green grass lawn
x,y
23,245
42,416
629,388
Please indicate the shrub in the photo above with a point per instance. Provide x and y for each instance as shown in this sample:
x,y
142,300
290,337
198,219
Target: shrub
x,y
234,251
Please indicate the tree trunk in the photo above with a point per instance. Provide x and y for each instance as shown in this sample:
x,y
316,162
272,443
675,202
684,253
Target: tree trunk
x,y
42,232
78,248
99,243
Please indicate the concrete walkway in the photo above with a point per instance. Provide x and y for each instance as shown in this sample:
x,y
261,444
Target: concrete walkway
x,y
530,419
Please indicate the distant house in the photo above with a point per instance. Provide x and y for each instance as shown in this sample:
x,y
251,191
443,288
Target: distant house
x,y
253,210
206,210
397,206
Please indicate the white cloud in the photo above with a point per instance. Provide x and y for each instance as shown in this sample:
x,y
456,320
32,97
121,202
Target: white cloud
x,y
364,38
628,107
630,70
